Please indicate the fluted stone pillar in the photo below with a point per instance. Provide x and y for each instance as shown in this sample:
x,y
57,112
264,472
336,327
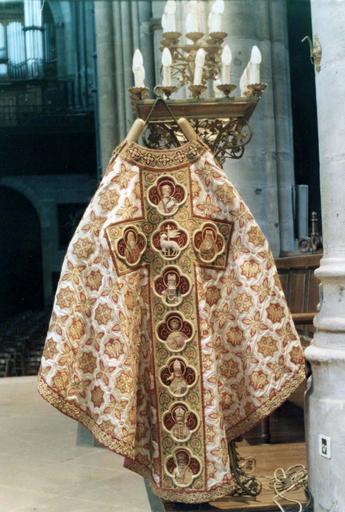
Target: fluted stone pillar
x,y
121,27
108,117
325,412
265,173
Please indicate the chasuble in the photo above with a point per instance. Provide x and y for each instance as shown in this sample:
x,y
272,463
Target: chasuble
x,y
170,334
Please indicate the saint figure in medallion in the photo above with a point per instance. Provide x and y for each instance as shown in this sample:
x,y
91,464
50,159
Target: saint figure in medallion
x,y
180,430
168,203
183,475
170,294
132,252
176,339
166,195
178,385
208,247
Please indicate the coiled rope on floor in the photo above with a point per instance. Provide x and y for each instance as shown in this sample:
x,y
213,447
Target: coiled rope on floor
x,y
285,481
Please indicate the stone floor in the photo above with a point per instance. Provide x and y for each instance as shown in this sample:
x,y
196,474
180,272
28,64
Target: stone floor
x,y
42,469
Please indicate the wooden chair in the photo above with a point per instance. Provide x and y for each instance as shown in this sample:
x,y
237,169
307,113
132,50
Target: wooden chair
x,y
301,288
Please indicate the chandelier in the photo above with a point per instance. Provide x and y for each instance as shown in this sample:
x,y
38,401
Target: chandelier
x,y
198,66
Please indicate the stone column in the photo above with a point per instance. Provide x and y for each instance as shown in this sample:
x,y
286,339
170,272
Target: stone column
x,y
325,413
68,39
121,26
105,79
265,174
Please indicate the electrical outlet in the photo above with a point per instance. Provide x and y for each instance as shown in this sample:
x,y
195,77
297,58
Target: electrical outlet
x,y
325,446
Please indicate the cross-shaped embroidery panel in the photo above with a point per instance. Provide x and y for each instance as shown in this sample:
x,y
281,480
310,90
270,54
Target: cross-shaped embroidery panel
x,y
168,242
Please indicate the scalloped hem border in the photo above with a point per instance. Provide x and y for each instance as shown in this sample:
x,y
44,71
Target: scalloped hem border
x,y
267,407
185,495
122,448
72,411
220,491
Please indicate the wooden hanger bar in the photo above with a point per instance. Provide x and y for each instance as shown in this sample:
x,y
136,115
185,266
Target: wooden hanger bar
x,y
187,129
136,130
139,124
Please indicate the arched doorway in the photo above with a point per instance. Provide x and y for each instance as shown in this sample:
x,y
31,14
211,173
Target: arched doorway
x,y
21,281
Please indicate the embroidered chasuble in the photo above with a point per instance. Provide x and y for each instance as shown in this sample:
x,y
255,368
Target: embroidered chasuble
x,y
170,334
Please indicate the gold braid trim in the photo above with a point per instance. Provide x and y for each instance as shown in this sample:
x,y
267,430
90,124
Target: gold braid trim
x,y
182,495
116,151
191,496
163,159
267,407
122,448
221,490
71,410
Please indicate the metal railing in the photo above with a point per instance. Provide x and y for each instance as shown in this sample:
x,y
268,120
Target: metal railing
x,y
13,115
36,69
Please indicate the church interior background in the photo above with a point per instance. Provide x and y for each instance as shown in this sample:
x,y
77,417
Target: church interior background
x,y
64,106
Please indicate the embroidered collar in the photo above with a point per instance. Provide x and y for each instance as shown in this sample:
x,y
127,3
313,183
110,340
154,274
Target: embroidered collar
x,y
172,158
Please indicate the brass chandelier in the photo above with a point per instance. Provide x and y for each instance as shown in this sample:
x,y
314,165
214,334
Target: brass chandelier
x,y
199,64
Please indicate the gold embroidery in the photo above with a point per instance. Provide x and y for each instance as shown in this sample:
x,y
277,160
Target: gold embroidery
x,y
131,246
172,333
267,407
164,159
166,195
76,330
208,242
125,449
180,422
71,409
175,331
182,467
172,286
173,350
178,376
169,239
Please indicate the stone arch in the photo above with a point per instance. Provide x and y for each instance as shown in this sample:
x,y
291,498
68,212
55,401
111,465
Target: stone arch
x,y
55,8
17,184
21,276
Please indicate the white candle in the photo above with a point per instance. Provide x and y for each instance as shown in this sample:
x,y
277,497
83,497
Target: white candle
x,y
199,63
137,59
166,62
226,64
244,80
139,77
209,21
254,67
215,17
170,16
192,18
138,69
164,22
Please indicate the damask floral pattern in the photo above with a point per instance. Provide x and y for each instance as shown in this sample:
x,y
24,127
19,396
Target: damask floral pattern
x,y
94,280
169,357
83,248
87,362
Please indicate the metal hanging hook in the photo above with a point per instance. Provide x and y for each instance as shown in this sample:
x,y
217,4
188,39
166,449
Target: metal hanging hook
x,y
315,51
